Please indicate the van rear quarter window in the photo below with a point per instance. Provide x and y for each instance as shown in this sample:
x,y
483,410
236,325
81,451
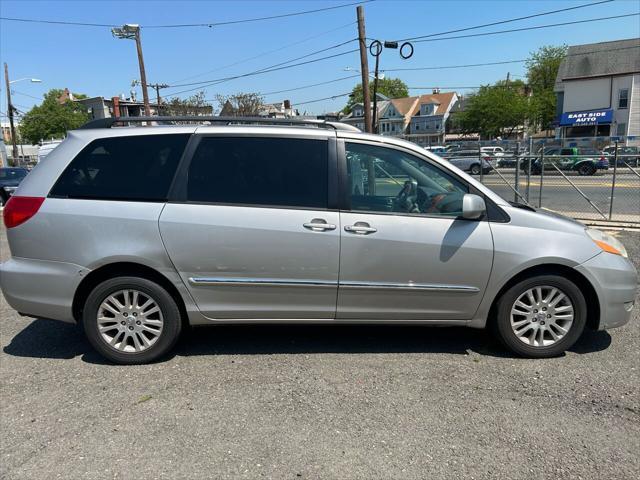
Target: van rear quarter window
x,y
139,167
260,171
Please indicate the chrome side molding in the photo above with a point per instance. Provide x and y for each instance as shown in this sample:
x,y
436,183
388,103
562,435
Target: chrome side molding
x,y
259,282
409,286
273,282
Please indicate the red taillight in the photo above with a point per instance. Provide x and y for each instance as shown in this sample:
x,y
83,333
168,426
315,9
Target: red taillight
x,y
20,209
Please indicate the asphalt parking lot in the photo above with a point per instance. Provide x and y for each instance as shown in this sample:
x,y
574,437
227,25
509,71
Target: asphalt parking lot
x,y
319,402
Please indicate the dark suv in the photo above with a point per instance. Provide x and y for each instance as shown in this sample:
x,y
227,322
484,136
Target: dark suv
x,y
10,178
585,161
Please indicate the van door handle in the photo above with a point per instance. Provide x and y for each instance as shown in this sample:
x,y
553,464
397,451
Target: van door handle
x,y
360,228
319,225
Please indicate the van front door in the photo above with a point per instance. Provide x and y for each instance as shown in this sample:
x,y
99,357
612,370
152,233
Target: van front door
x,y
405,252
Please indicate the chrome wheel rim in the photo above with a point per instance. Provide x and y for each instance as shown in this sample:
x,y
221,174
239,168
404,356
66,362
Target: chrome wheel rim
x,y
130,321
542,316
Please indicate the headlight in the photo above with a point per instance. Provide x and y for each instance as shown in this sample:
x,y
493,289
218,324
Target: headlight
x,y
607,242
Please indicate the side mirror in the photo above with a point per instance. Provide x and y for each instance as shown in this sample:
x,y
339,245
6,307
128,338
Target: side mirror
x,y
473,206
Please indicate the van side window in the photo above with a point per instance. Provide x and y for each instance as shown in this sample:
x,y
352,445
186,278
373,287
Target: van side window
x,y
264,171
389,180
136,167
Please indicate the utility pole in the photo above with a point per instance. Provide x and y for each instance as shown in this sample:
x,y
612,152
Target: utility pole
x,y
364,69
157,87
143,75
132,32
14,137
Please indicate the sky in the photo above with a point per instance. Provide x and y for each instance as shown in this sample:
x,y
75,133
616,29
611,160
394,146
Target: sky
x,y
89,60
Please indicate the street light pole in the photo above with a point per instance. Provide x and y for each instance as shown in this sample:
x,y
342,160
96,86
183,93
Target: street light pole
x,y
132,32
14,137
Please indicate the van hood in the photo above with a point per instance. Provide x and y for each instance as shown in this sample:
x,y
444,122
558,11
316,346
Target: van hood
x,y
543,218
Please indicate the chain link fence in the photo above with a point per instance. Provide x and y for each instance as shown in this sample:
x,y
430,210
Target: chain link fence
x,y
586,178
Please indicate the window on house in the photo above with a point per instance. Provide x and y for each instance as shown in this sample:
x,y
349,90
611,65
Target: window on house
x,y
621,130
623,98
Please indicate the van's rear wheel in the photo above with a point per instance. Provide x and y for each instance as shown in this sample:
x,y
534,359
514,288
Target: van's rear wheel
x,y
475,169
131,320
541,316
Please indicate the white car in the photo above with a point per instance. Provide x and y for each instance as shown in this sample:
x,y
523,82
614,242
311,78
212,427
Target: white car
x,y
493,151
46,148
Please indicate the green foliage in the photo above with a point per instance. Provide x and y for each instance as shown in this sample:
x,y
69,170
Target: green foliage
x,y
52,119
194,105
389,87
240,104
495,110
542,69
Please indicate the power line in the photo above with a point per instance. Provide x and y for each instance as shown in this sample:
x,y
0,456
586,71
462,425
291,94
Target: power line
x,y
185,25
208,83
266,53
444,67
501,22
536,27
310,86
58,22
248,20
244,75
333,97
270,67
27,95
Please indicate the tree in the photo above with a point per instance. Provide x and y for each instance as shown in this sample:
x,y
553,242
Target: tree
x,y
194,105
52,118
495,110
389,87
240,104
542,69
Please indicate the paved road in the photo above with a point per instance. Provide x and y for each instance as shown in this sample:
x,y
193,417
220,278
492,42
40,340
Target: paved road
x,y
318,402
558,193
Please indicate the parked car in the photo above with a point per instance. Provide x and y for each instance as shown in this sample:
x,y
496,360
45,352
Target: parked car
x,y
585,161
437,148
136,232
10,178
470,161
628,155
46,148
493,151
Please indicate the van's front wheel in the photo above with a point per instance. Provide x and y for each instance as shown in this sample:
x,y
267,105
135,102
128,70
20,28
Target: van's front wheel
x,y
131,320
541,316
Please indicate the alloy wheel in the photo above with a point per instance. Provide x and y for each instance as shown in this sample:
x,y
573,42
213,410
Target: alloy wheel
x,y
130,321
542,316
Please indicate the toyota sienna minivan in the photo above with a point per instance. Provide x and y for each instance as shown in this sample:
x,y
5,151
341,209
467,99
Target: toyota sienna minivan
x,y
137,231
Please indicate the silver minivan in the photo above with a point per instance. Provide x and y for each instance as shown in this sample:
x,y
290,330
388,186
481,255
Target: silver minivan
x,y
137,231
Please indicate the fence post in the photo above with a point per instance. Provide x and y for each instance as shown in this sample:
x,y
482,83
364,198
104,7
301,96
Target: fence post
x,y
541,176
517,180
613,180
480,158
529,167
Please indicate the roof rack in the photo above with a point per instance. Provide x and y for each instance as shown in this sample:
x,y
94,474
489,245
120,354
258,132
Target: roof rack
x,y
111,121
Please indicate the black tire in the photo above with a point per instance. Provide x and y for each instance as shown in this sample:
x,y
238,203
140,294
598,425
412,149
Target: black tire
x,y
501,324
475,169
585,169
172,323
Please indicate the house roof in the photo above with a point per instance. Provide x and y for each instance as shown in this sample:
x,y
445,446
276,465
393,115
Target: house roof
x,y
600,59
443,100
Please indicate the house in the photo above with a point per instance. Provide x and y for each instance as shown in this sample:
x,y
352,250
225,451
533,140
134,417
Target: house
x,y
278,110
101,107
429,118
598,90
420,119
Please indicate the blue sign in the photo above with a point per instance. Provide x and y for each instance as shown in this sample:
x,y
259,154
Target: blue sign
x,y
590,117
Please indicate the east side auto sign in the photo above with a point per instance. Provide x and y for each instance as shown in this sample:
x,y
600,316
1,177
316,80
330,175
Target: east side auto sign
x,y
593,117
